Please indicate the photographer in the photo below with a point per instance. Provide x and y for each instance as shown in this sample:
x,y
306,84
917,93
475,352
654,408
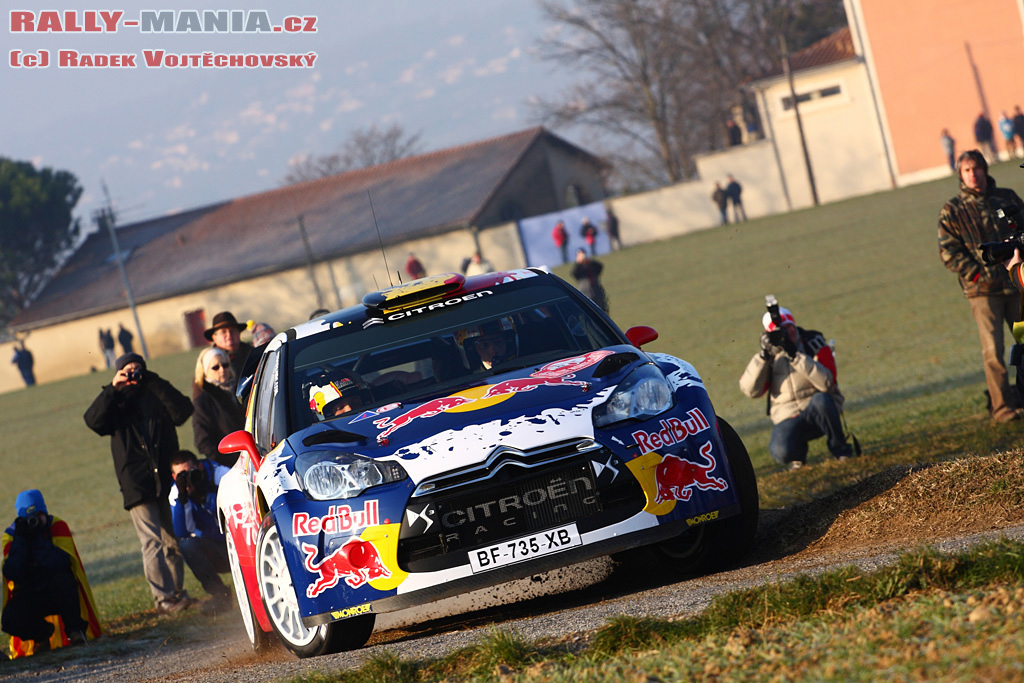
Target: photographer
x,y
140,411
193,501
967,221
796,368
43,576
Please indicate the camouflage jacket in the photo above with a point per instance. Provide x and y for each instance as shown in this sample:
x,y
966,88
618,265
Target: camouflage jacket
x,y
965,223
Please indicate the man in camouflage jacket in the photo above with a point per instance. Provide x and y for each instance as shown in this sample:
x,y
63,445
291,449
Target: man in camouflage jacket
x,y
968,220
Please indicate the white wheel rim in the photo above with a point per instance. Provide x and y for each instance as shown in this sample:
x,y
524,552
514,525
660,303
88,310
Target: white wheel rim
x,y
279,593
240,593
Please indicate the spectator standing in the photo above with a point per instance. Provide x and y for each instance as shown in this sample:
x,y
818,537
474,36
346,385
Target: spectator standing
x,y
193,502
124,337
965,222
587,274
983,136
478,265
216,411
414,268
734,133
1018,129
721,200
613,229
226,333
733,190
107,347
43,576
949,147
24,361
140,411
589,233
1006,129
798,371
560,237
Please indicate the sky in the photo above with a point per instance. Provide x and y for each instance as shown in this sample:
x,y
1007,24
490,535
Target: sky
x,y
166,138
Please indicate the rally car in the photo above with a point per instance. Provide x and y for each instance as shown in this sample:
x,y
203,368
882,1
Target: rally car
x,y
458,432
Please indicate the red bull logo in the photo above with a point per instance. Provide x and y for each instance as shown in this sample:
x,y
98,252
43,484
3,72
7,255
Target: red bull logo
x,y
673,431
567,367
339,519
515,386
675,476
428,409
357,562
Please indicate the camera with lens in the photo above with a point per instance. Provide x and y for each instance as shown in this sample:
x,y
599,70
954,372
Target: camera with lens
x,y
193,483
135,375
35,522
1008,217
778,335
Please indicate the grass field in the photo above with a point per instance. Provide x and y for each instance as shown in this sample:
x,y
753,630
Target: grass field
x,y
865,272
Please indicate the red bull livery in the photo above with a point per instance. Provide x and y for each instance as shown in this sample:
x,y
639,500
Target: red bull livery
x,y
481,430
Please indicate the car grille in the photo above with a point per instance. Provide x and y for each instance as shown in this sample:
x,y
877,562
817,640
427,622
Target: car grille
x,y
512,494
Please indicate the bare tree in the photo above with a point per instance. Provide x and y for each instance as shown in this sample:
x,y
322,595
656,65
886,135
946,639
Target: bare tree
x,y
363,148
662,76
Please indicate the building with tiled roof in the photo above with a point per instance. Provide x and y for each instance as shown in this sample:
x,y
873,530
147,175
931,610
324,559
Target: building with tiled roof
x,y
276,255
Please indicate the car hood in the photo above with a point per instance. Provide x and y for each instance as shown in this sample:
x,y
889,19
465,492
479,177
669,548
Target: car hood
x,y
523,409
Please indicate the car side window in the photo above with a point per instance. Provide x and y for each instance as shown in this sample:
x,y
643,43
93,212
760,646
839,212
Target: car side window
x,y
263,411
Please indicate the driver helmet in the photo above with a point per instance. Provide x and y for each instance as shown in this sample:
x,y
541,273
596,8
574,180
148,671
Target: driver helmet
x,y
330,391
504,327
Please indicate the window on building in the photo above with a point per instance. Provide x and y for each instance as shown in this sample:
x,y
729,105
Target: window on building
x,y
574,196
801,98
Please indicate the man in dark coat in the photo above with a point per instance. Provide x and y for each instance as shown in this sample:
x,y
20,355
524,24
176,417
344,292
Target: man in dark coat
x,y
967,221
140,411
226,333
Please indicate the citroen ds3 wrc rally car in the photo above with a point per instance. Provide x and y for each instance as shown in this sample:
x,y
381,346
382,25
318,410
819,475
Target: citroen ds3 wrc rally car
x,y
459,432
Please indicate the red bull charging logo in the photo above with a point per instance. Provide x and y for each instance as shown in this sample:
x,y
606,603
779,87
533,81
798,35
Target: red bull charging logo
x,y
675,477
357,562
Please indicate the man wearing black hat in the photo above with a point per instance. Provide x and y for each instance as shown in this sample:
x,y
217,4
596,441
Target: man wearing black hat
x,y
140,411
225,333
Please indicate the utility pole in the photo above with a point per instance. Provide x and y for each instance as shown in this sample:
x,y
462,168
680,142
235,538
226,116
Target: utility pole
x,y
309,262
105,218
799,123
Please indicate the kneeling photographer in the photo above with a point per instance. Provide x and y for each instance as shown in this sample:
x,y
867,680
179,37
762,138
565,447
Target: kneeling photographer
x,y
193,502
795,367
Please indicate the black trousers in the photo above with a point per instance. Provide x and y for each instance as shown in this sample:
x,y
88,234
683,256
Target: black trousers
x,y
25,613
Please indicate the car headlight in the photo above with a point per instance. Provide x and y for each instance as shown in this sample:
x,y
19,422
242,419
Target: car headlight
x,y
329,475
644,394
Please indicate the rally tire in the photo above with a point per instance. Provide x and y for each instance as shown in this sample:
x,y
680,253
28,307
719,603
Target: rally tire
x,y
257,638
716,545
279,600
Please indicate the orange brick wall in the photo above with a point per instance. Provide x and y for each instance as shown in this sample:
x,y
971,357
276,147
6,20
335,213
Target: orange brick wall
x,y
922,52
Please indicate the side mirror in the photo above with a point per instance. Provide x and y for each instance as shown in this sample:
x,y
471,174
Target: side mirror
x,y
640,335
241,441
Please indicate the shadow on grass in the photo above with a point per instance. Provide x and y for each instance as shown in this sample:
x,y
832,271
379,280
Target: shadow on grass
x,y
787,531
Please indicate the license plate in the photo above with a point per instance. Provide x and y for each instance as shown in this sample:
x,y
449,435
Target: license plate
x,y
524,548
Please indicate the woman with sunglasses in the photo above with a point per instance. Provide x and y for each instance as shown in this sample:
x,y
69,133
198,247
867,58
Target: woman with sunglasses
x,y
217,411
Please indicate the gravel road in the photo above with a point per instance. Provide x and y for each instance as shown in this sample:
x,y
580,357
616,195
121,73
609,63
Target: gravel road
x,y
217,652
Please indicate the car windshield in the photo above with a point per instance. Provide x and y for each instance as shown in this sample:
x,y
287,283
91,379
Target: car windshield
x,y
430,353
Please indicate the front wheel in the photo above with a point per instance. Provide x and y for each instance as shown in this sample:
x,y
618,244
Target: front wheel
x,y
713,546
282,607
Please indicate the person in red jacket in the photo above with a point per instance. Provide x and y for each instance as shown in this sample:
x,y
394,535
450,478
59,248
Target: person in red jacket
x,y
561,239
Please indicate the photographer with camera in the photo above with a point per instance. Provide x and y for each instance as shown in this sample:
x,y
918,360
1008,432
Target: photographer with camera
x,y
140,411
43,576
979,214
795,367
193,501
